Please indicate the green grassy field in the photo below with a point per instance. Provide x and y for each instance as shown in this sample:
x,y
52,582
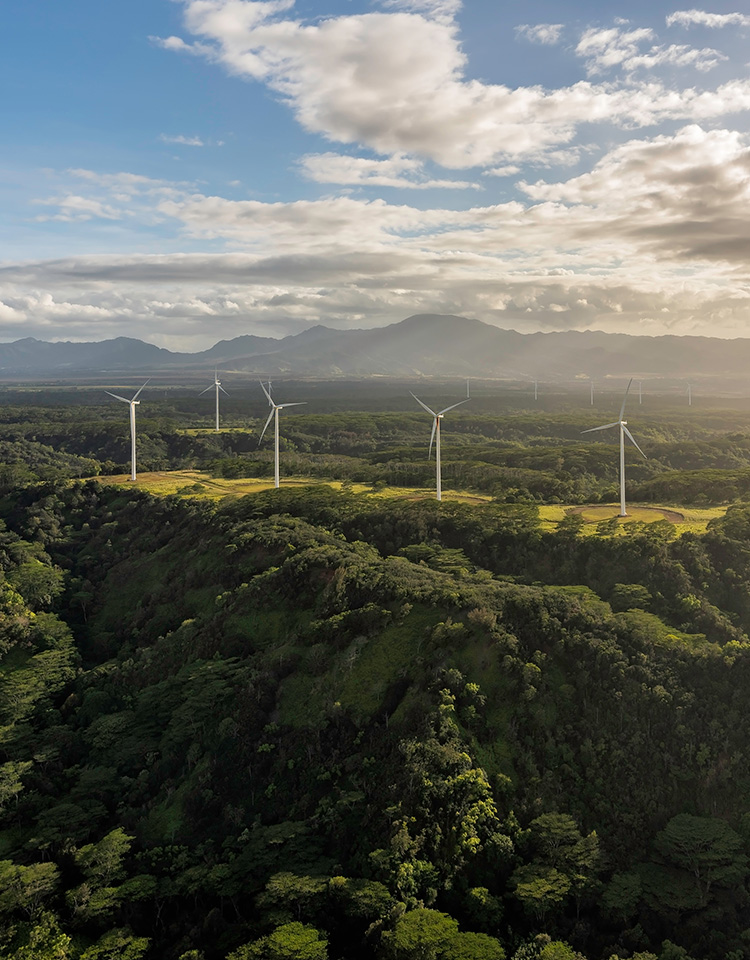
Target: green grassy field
x,y
195,483
686,519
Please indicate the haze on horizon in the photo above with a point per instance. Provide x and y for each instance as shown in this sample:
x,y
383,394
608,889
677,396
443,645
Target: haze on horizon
x,y
185,172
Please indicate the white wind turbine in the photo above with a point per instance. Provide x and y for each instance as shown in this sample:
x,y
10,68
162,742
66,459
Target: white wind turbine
x,y
435,437
622,424
133,403
217,386
275,407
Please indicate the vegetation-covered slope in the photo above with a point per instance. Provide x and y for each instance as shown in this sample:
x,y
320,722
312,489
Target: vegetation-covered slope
x,y
311,724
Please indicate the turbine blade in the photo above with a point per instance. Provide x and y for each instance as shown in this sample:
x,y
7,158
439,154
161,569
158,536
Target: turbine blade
x,y
117,396
424,405
432,437
141,388
625,399
266,392
270,417
606,426
454,406
223,390
632,439
206,390
298,403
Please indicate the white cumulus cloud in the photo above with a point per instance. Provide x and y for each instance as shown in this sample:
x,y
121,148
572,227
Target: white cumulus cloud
x,y
360,171
609,48
688,18
547,34
396,83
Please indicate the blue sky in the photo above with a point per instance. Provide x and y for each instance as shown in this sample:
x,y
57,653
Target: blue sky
x,y
190,171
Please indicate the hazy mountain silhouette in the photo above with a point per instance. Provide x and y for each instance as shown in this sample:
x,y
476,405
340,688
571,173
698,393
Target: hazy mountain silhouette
x,y
421,345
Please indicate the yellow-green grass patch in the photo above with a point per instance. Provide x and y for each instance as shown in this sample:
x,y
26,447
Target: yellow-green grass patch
x,y
685,519
197,483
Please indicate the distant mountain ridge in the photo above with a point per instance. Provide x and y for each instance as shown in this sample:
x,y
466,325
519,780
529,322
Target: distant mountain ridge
x,y
429,345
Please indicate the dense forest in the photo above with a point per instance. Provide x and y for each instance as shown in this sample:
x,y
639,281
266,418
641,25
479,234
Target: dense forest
x,y
317,724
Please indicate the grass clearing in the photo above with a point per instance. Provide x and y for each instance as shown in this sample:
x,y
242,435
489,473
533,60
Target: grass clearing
x,y
197,483
685,519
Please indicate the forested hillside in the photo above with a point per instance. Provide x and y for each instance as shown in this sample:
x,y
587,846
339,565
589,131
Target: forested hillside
x,y
323,725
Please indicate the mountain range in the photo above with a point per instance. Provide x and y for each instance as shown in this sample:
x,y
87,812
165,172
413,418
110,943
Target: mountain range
x,y
424,345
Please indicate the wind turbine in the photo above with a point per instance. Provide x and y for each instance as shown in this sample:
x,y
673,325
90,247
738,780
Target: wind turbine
x,y
640,391
217,385
436,437
622,424
275,407
133,403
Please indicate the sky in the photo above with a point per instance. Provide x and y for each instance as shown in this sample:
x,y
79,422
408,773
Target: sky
x,y
187,171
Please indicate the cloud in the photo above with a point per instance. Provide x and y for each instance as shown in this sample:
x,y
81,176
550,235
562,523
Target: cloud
x,y
396,172
508,170
185,141
685,196
655,236
444,11
111,196
547,34
605,49
688,18
203,298
72,208
396,83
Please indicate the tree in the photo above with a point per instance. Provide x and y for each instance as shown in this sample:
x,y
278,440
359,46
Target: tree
x,y
420,934
101,862
119,944
38,583
474,946
706,848
622,895
41,940
541,889
10,781
291,941
25,888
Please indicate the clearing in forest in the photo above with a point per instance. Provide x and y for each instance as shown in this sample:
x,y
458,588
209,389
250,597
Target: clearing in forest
x,y
194,483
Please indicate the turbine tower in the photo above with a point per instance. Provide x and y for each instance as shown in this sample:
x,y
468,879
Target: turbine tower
x,y
436,437
217,385
592,393
690,395
275,407
622,424
133,403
